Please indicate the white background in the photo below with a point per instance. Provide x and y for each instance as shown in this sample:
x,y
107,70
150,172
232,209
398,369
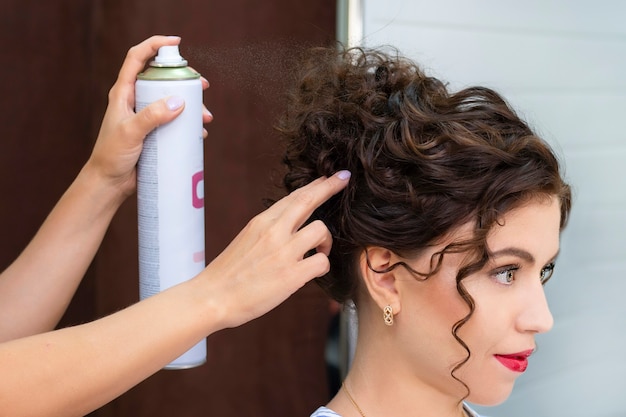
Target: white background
x,y
562,65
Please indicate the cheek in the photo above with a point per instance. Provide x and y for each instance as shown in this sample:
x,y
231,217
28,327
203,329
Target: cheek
x,y
430,310
443,298
433,308
489,325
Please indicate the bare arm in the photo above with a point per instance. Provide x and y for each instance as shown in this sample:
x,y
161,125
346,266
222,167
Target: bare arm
x,y
72,371
263,266
40,283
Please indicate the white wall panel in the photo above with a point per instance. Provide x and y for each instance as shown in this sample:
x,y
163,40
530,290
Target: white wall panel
x,y
562,65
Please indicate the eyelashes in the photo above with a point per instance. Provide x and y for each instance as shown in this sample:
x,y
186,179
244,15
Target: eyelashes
x,y
546,273
506,275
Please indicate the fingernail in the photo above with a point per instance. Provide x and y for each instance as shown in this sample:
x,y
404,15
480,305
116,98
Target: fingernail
x,y
344,175
207,112
174,103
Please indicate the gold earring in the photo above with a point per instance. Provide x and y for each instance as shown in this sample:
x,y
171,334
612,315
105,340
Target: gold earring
x,y
388,315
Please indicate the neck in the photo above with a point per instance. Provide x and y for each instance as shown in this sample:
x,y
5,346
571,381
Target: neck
x,y
381,385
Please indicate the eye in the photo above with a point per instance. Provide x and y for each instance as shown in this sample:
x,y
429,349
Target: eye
x,y
505,276
546,273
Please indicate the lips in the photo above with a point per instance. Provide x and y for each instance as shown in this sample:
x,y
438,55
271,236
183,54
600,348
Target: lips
x,y
516,362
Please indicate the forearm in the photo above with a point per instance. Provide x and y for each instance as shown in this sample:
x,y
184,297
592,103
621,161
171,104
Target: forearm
x,y
75,370
36,289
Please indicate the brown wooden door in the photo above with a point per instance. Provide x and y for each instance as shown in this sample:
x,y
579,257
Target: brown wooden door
x,y
58,61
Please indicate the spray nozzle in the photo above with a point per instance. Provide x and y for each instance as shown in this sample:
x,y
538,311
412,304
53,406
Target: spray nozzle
x,y
168,56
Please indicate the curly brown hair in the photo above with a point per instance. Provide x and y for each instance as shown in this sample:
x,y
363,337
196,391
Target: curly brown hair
x,y
424,161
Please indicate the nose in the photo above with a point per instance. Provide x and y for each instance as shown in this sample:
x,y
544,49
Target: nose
x,y
535,315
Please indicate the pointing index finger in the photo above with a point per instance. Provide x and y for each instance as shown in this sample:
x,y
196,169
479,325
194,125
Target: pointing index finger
x,y
306,199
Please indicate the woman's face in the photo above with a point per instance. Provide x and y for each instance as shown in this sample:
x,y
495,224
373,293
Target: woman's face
x,y
511,307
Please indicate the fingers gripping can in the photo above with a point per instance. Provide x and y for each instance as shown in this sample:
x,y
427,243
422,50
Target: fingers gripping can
x,y
170,186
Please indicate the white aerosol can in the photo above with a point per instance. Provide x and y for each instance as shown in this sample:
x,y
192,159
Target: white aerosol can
x,y
170,186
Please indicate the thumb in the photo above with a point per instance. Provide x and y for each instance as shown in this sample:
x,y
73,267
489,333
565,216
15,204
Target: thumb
x,y
157,113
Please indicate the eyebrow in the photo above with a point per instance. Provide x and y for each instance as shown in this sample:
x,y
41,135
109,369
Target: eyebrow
x,y
520,253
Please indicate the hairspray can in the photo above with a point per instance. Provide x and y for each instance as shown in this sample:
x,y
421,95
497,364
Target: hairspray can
x,y
170,186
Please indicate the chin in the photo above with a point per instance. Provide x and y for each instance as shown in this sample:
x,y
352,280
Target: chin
x,y
489,396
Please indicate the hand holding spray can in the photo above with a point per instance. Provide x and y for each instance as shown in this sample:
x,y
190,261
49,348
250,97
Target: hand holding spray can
x,y
170,186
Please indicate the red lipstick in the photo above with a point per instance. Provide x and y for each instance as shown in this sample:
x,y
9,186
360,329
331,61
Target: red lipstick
x,y
516,362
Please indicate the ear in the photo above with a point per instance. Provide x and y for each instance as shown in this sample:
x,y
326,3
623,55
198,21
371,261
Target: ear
x,y
382,286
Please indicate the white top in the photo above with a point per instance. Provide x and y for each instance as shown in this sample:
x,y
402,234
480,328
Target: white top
x,y
327,412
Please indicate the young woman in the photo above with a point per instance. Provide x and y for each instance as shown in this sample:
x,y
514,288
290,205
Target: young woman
x,y
443,239
72,371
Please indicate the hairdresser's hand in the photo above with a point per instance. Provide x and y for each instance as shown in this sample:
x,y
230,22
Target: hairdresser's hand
x,y
265,263
121,136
